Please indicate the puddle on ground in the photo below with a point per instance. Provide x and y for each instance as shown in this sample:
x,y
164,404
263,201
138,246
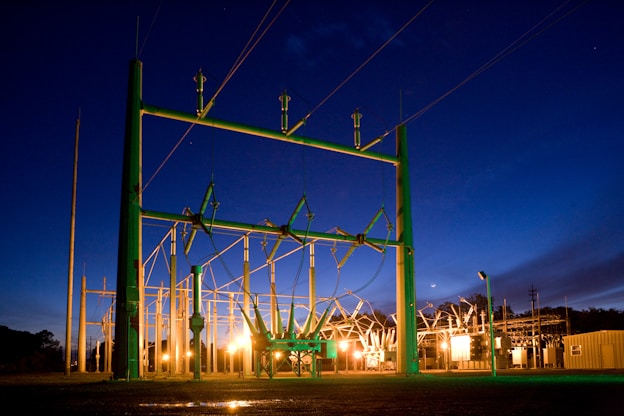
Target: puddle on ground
x,y
232,404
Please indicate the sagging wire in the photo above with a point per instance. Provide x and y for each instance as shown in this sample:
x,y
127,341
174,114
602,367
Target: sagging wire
x,y
286,231
338,268
310,218
374,276
512,47
239,61
244,54
261,327
149,30
389,227
348,78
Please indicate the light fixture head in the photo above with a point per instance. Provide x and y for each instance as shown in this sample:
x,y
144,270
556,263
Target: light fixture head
x,y
482,275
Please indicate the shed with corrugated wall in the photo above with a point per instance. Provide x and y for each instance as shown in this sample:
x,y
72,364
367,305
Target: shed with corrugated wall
x,y
600,349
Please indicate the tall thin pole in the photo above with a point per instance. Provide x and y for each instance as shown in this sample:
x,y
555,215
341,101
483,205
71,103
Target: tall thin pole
x,y
197,321
483,276
491,312
532,292
70,272
407,340
172,342
246,307
129,261
82,327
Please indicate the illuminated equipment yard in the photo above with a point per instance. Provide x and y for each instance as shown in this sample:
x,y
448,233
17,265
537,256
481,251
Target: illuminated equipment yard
x,y
130,300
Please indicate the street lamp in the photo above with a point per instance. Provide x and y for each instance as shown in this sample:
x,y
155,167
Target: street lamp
x,y
485,277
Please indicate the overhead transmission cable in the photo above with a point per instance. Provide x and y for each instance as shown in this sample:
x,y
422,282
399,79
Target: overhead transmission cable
x,y
149,30
245,53
335,90
239,61
512,47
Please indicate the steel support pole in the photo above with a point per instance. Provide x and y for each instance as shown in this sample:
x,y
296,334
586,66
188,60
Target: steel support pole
x,y
407,341
82,327
158,332
491,313
247,352
312,285
129,261
484,276
172,341
196,322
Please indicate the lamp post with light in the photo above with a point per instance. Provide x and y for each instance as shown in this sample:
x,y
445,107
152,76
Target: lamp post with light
x,y
485,277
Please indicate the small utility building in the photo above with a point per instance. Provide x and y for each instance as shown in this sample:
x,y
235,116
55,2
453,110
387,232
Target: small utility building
x,y
594,350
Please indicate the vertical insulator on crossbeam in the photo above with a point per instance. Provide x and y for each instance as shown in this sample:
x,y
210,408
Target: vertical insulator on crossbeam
x,y
196,271
199,79
356,116
284,98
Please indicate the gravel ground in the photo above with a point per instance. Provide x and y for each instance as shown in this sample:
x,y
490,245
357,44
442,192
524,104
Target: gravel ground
x,y
524,392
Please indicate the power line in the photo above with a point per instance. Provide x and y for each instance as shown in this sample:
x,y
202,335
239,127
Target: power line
x,y
237,63
245,53
335,90
515,45
149,30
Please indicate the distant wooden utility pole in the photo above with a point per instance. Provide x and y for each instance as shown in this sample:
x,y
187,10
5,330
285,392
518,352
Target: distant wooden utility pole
x,y
70,272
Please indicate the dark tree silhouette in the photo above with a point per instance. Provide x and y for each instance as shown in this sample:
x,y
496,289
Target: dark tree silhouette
x,y
21,351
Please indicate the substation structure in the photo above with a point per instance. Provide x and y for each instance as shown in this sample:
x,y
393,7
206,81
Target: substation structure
x,y
343,339
459,339
131,301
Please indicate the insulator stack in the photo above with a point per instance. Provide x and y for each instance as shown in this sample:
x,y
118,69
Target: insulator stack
x,y
284,98
200,79
356,116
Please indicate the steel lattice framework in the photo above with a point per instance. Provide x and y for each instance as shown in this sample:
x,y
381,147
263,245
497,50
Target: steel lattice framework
x,y
130,273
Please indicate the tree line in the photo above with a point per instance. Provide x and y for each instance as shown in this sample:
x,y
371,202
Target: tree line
x,y
22,351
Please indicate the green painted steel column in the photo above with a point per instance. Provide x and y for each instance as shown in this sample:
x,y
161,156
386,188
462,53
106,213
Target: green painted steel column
x,y
172,340
248,351
407,341
129,260
196,322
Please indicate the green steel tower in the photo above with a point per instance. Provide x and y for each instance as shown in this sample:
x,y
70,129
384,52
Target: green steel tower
x,y
128,319
129,259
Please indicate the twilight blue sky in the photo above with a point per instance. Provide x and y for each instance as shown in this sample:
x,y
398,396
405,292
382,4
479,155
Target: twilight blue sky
x,y
517,171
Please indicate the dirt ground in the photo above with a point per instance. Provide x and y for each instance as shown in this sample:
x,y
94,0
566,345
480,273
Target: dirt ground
x,y
523,392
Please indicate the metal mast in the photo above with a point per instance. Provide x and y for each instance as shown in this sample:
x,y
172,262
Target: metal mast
x,y
70,272
130,273
407,343
129,259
